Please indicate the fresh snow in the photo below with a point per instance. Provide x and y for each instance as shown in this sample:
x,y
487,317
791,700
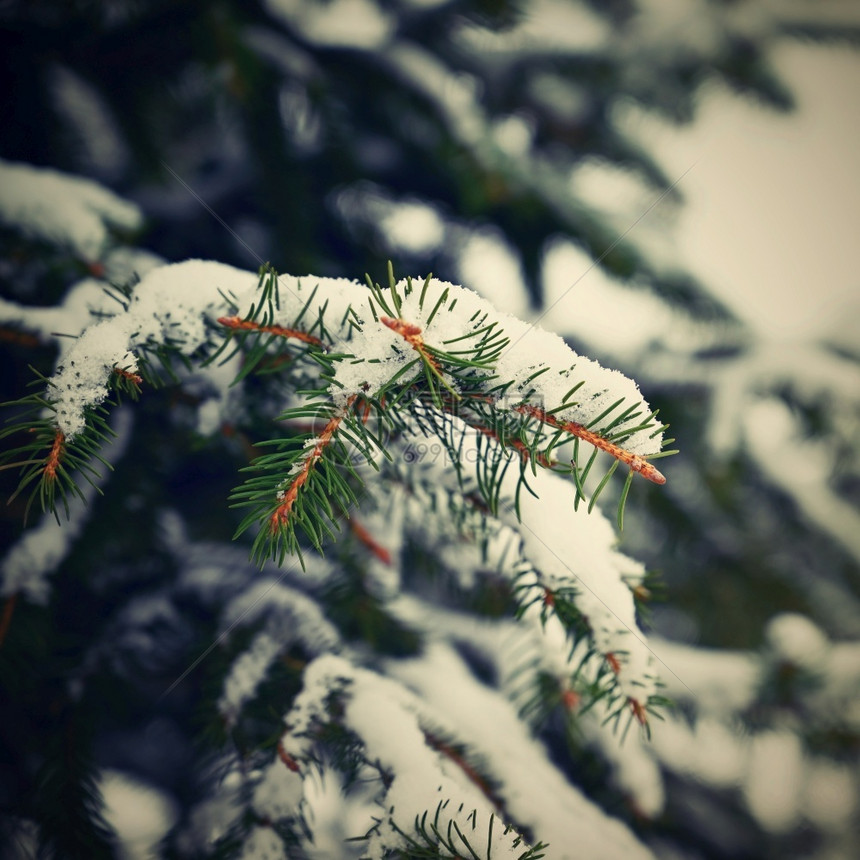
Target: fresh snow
x,y
63,210
178,302
534,791
392,725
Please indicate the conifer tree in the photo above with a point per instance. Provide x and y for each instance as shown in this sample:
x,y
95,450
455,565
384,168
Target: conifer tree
x,y
425,638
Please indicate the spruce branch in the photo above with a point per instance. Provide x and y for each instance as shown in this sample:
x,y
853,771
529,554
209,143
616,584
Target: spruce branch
x,y
362,367
281,515
307,482
636,462
238,324
51,464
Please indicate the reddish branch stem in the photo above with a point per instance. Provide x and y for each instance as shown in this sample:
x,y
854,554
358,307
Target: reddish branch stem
x,y
287,759
132,377
282,512
517,444
52,462
412,335
239,324
20,337
366,538
638,711
570,699
634,461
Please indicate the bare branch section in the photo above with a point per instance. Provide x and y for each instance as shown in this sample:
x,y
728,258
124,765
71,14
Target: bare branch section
x,y
55,456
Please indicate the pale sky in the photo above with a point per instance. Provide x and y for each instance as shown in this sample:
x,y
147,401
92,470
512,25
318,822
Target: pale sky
x,y
772,214
770,220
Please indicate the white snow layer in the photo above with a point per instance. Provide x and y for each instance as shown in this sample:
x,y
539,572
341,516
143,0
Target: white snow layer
x,y
394,724
62,209
774,779
263,844
178,301
534,792
340,23
139,813
292,618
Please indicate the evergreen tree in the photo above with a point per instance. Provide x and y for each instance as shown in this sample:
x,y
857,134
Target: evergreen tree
x,y
425,640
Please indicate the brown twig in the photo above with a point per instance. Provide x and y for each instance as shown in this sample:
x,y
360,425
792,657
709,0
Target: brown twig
x,y
22,338
614,662
638,711
366,538
287,759
52,461
239,324
282,512
517,444
636,462
412,335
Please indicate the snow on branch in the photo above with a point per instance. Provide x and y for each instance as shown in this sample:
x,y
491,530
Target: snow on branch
x,y
358,350
64,210
561,564
290,618
428,795
533,791
366,372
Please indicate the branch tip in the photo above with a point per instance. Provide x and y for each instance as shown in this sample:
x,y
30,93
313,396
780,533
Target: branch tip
x,y
281,514
287,759
638,711
134,378
366,538
52,461
636,462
